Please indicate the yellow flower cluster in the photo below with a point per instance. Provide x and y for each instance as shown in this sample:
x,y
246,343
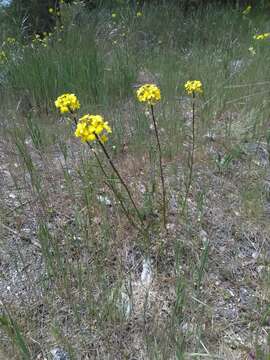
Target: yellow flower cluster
x,y
247,10
91,127
149,93
11,40
67,103
194,86
262,36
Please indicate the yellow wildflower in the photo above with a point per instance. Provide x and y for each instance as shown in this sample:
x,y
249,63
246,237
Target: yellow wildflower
x,y
194,86
92,127
50,10
3,57
114,15
149,93
247,10
67,103
139,14
11,40
262,36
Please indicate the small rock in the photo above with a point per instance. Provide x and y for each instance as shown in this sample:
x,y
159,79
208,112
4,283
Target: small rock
x,y
59,354
104,200
146,275
245,296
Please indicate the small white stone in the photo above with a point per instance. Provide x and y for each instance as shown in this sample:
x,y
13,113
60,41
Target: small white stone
x,y
146,275
104,200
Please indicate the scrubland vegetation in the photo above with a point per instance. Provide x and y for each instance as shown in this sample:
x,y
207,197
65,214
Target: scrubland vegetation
x,y
153,241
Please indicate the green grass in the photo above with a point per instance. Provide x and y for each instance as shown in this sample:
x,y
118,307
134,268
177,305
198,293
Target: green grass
x,y
73,263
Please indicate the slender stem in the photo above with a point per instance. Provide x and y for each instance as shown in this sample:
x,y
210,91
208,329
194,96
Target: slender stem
x,y
191,155
120,178
117,195
161,169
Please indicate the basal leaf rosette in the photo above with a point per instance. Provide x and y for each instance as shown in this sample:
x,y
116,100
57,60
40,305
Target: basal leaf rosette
x,y
149,93
91,128
67,103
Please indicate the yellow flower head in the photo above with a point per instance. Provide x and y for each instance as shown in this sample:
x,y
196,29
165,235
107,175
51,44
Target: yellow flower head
x,y
247,10
50,10
11,40
149,93
67,103
262,36
194,86
139,13
91,128
114,15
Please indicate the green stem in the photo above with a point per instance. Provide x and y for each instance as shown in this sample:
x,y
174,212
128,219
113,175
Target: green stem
x,y
191,155
117,195
161,169
120,178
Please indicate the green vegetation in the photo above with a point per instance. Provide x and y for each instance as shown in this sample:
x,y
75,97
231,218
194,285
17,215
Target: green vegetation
x,y
75,271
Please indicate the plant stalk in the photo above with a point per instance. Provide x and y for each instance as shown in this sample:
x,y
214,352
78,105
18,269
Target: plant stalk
x,y
191,155
109,183
161,170
120,178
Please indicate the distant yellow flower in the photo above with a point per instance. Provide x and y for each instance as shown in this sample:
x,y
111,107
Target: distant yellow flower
x,y
92,127
3,57
194,86
252,50
50,10
149,93
262,36
11,40
139,14
114,15
67,103
247,10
